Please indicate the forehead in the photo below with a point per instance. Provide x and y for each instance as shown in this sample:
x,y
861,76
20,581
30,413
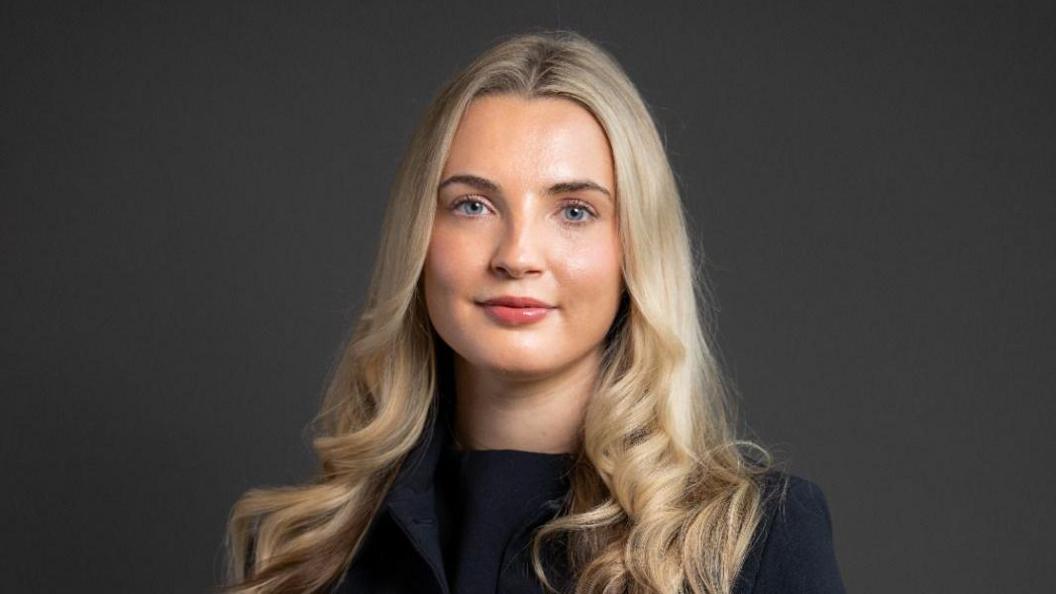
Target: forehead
x,y
507,136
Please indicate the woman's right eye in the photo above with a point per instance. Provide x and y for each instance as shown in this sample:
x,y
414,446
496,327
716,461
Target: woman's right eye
x,y
475,207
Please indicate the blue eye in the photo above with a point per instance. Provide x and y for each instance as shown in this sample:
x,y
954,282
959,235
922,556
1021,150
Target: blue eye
x,y
579,213
477,203
575,209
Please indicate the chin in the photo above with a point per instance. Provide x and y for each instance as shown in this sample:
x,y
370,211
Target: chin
x,y
515,363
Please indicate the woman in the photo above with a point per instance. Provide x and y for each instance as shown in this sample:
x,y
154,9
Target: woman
x,y
529,398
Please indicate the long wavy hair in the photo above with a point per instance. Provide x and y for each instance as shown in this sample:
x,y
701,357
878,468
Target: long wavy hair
x,y
664,497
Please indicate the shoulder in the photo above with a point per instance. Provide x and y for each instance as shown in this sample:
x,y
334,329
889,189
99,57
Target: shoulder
x,y
792,548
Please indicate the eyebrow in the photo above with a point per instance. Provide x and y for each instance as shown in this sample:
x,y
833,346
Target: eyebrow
x,y
486,185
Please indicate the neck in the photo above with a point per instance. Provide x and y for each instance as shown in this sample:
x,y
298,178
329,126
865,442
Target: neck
x,y
499,412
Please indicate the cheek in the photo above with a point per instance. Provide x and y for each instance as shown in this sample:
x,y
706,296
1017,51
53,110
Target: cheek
x,y
448,267
591,273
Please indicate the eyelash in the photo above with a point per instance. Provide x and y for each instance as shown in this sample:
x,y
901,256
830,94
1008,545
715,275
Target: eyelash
x,y
570,203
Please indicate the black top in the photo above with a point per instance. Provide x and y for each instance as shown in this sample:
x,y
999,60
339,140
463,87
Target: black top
x,y
460,528
484,497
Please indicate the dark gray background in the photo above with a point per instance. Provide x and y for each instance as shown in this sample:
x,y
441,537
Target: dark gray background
x,y
191,202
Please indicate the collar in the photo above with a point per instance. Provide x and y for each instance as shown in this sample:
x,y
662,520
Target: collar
x,y
411,501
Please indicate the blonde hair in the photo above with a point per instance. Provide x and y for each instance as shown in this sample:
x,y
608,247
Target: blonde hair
x,y
663,496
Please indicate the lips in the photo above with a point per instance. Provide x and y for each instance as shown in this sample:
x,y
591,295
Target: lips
x,y
510,301
516,311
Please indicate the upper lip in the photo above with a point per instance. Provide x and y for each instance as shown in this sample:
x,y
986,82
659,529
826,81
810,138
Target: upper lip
x,y
514,301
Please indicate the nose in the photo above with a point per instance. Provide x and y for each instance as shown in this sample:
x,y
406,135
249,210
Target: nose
x,y
518,249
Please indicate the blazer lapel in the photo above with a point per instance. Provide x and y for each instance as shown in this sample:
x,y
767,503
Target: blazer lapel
x,y
411,501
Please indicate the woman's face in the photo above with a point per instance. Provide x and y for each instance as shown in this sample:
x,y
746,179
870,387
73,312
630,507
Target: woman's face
x,y
525,209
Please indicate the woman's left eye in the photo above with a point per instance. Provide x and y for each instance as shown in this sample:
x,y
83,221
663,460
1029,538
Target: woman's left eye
x,y
578,213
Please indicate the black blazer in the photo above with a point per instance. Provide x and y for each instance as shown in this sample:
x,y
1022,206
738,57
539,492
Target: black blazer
x,y
792,551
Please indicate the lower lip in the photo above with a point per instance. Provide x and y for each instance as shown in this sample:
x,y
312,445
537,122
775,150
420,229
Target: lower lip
x,y
516,316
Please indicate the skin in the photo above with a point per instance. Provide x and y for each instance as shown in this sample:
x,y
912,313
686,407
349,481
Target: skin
x,y
525,387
